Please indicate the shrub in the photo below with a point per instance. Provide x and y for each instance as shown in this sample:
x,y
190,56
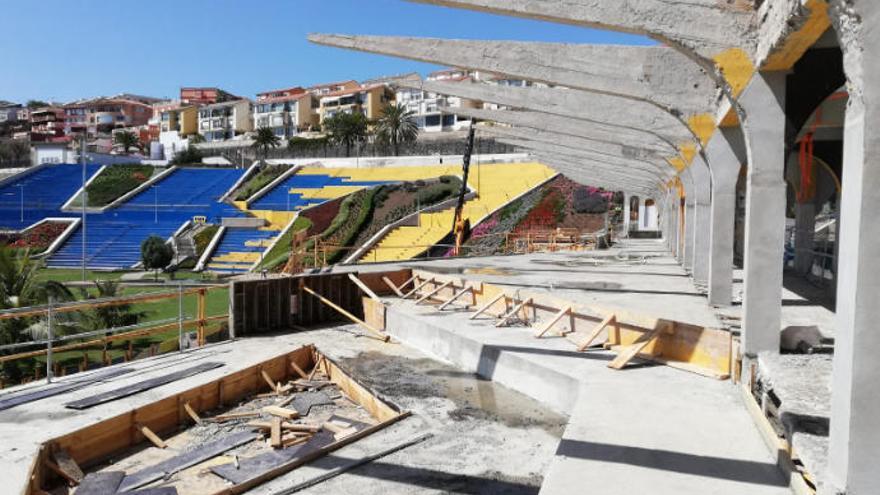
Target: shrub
x,y
115,181
191,155
261,179
203,238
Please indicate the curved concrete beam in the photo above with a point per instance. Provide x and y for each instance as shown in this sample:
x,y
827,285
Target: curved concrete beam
x,y
617,165
657,75
606,110
610,152
705,27
632,143
586,177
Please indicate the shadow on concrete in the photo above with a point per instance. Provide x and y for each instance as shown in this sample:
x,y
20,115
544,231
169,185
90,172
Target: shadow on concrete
x,y
710,467
594,287
433,479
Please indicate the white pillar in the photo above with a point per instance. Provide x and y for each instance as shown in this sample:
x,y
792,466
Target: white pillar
x,y
725,164
699,234
854,451
764,125
804,236
626,214
687,256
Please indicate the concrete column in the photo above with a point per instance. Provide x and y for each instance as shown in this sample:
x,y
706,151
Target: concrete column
x,y
626,214
854,449
686,257
699,234
763,102
725,164
804,236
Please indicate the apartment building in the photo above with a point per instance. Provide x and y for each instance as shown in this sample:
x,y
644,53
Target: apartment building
x,y
183,119
325,89
286,111
9,112
47,124
368,100
426,105
204,96
225,120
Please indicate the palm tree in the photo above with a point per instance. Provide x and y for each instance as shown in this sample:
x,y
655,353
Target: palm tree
x,y
397,126
196,139
127,140
109,317
346,129
264,140
20,287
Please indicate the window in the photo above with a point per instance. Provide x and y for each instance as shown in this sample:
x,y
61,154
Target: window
x,y
432,121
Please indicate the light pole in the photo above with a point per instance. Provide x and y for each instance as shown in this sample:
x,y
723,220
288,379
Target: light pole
x,y
85,200
21,201
155,203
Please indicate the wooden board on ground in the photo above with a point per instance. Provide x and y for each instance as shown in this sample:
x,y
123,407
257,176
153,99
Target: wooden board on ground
x,y
629,352
139,387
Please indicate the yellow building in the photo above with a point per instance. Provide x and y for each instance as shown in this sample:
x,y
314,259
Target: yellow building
x,y
184,120
369,100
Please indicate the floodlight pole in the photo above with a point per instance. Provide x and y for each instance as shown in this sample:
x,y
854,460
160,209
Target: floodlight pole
x,y
84,200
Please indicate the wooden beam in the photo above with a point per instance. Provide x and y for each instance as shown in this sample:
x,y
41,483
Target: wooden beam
x,y
275,433
513,312
433,292
192,413
362,286
152,437
68,466
299,371
270,381
281,412
612,318
393,287
236,415
409,281
381,336
456,297
416,289
558,316
488,305
315,369
629,352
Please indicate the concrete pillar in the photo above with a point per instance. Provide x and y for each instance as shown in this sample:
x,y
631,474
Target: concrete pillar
x,y
763,102
686,257
725,164
854,449
699,234
626,214
804,236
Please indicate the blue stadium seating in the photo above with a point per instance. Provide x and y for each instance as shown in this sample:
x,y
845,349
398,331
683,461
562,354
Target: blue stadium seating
x,y
277,198
41,194
113,239
235,240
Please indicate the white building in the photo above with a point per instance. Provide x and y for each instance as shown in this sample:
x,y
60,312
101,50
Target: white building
x,y
286,111
222,121
426,105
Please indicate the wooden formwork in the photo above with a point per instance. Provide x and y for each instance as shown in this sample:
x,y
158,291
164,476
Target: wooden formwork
x,y
96,443
704,350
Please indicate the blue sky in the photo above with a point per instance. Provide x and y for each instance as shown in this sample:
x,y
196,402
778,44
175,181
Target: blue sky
x,y
68,49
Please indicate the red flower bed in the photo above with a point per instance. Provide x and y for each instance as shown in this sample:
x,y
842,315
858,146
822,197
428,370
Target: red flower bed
x,y
40,237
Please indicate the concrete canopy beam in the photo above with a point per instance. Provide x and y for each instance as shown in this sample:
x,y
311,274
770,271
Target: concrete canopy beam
x,y
597,169
634,144
706,27
607,110
603,151
657,75
608,163
583,175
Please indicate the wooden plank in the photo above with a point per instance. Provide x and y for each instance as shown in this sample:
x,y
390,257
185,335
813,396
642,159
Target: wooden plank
x,y
417,288
408,281
488,305
100,483
393,287
381,336
455,297
513,312
281,412
192,413
630,352
54,467
299,371
236,415
433,292
315,369
268,379
18,398
362,286
139,387
151,436
68,466
185,460
275,433
558,316
597,330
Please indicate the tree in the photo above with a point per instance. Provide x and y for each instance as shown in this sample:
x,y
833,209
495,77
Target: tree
x,y
188,156
32,104
156,254
397,126
127,140
264,140
108,317
346,129
196,139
